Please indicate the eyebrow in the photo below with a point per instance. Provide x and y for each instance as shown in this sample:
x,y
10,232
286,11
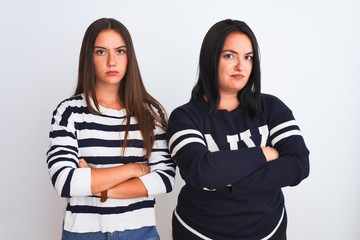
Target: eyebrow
x,y
123,46
232,51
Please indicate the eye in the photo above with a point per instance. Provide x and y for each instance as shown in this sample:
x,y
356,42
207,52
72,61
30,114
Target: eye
x,y
229,56
120,51
100,52
249,57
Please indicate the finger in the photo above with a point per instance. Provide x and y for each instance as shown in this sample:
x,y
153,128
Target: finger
x,y
83,163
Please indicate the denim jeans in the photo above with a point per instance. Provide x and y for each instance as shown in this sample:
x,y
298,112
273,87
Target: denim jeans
x,y
144,233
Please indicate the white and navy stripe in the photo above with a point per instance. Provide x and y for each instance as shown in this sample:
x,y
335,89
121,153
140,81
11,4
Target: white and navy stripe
x,y
284,130
76,133
184,137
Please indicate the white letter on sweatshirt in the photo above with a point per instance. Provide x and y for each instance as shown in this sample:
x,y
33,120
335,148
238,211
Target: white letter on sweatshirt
x,y
233,141
212,146
246,137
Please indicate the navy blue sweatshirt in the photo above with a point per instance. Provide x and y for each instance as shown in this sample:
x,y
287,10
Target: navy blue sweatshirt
x,y
231,191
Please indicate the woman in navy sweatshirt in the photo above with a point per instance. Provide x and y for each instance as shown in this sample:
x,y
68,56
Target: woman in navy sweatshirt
x,y
235,146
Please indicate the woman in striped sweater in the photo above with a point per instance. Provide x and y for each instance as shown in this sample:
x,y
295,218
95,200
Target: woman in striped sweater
x,y
108,154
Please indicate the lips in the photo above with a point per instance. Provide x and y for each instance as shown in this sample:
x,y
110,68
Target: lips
x,y
237,76
112,73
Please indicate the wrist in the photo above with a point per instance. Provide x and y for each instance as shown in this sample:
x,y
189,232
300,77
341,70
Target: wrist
x,y
141,169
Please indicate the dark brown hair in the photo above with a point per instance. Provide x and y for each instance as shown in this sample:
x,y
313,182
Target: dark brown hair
x,y
136,100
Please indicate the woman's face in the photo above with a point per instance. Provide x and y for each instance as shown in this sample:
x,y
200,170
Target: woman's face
x,y
110,58
235,64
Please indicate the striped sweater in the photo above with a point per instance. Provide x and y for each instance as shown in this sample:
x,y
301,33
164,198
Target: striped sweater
x,y
76,133
217,150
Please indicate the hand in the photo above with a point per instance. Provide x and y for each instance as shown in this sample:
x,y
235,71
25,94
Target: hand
x,y
83,163
270,153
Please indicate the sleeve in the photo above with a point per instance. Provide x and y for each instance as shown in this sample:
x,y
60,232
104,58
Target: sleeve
x,y
162,175
292,166
202,168
62,157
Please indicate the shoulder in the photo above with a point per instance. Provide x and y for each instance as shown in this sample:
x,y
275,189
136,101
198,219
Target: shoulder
x,y
155,107
74,104
192,115
194,107
275,111
158,114
268,98
77,100
269,101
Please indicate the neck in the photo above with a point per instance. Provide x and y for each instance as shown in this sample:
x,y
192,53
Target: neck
x,y
108,97
228,102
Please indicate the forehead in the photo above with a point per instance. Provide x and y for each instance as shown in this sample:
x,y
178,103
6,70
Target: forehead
x,y
109,37
238,41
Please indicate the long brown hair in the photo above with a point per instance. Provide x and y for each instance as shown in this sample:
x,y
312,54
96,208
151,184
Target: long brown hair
x,y
136,100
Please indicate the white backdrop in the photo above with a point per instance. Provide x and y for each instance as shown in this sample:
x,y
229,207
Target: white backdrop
x,y
310,59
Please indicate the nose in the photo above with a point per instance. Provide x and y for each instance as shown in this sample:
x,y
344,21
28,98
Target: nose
x,y
111,60
239,65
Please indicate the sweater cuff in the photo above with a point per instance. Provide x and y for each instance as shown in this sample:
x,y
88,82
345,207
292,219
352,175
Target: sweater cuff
x,y
81,182
153,184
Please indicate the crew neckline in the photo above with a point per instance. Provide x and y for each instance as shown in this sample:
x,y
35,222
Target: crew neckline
x,y
236,110
107,111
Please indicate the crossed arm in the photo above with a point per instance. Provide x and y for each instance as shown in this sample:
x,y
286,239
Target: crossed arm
x,y
120,182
